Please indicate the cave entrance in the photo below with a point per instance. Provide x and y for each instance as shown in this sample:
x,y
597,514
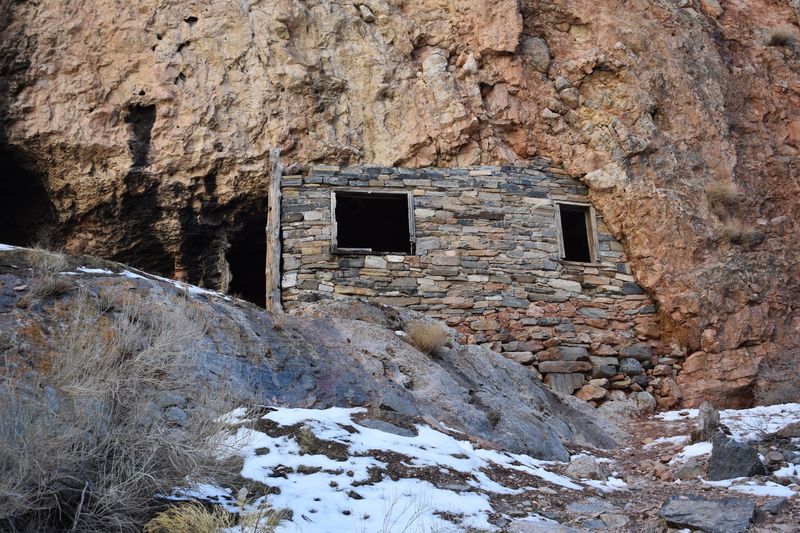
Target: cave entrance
x,y
27,216
372,222
576,232
247,255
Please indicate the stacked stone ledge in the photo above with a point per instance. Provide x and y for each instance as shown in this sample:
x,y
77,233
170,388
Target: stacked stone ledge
x,y
487,263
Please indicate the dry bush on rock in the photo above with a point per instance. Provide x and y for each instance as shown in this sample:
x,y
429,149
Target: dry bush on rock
x,y
737,233
782,35
722,196
778,381
46,279
110,425
427,337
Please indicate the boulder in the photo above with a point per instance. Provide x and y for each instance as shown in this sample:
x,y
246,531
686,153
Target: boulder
x,y
645,402
639,351
564,383
604,371
692,469
731,458
564,367
631,366
587,467
591,392
726,515
707,423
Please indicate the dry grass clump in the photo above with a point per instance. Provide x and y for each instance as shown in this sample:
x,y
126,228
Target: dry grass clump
x,y
783,35
190,517
737,233
722,196
778,381
46,279
427,337
194,517
90,445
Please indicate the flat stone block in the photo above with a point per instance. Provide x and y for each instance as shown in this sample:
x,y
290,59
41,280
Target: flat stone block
x,y
564,383
564,367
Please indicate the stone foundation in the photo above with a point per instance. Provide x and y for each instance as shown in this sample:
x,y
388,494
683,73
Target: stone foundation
x,y
487,261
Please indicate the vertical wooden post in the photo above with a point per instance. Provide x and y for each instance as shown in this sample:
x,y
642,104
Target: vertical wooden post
x,y
273,288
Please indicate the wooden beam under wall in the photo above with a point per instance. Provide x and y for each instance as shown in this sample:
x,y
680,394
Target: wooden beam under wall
x,y
273,288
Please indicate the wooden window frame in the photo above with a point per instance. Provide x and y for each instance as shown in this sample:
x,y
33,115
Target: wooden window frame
x,y
412,236
591,229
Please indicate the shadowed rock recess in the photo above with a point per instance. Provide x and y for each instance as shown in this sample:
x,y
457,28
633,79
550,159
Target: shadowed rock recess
x,y
141,133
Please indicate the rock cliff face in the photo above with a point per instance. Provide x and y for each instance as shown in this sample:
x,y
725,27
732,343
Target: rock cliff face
x,y
140,132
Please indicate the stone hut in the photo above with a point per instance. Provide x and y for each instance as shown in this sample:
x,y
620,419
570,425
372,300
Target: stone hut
x,y
512,257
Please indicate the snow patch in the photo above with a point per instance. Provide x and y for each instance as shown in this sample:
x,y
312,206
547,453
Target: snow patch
x,y
677,439
87,270
7,247
352,491
693,450
746,424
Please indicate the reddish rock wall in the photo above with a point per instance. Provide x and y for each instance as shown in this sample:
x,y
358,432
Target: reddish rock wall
x,y
657,102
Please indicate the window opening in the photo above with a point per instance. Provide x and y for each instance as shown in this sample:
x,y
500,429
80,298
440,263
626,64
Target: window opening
x,y
371,222
577,240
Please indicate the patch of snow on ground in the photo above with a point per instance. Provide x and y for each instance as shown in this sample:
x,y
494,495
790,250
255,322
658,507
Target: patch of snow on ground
x,y
7,247
746,424
87,270
677,439
693,450
747,486
192,289
788,471
345,494
131,275
677,416
612,484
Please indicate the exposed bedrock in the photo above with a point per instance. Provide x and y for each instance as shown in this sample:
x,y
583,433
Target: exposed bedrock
x,y
307,361
141,133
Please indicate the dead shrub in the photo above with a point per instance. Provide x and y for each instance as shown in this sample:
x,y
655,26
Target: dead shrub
x,y
722,196
429,338
783,35
736,232
109,426
190,517
778,381
46,278
194,517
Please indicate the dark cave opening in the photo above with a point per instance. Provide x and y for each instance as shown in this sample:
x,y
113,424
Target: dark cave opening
x,y
27,216
247,255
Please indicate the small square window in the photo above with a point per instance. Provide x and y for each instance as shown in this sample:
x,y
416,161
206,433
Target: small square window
x,y
372,222
576,234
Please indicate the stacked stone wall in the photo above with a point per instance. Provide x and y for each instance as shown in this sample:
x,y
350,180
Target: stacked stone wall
x,y
487,262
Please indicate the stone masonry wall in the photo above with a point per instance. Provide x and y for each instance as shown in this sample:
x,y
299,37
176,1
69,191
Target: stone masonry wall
x,y
487,262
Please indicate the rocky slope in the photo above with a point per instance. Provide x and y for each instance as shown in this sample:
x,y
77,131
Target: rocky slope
x,y
300,362
682,115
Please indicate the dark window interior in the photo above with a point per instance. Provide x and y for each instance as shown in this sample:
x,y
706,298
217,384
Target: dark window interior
x,y
575,233
377,222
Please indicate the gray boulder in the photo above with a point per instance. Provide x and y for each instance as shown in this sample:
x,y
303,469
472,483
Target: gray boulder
x,y
707,423
692,469
630,366
726,515
731,458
